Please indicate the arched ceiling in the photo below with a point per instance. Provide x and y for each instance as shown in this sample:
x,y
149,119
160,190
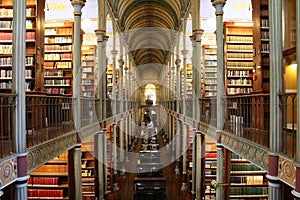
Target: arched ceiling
x,y
149,28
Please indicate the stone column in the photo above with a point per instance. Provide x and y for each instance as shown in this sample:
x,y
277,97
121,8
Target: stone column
x,y
199,170
115,187
74,173
101,155
185,148
219,5
197,35
101,41
19,129
121,151
77,174
276,87
296,191
178,152
77,5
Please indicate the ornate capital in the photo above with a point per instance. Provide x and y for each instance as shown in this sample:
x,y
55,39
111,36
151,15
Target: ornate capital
x,y
121,62
177,62
77,4
197,34
219,5
184,52
114,52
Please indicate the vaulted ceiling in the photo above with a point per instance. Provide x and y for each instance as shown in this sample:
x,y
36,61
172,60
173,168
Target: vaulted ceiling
x,y
149,27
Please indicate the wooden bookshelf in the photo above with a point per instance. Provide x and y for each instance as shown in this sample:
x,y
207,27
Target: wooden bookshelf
x,y
58,57
50,181
261,57
88,170
34,33
247,181
88,71
210,167
209,70
238,43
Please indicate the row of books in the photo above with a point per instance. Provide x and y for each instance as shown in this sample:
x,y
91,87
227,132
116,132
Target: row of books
x,y
43,181
57,73
238,73
239,56
7,37
8,12
238,39
45,193
55,90
244,167
61,82
87,69
240,47
8,73
59,31
57,56
239,65
248,191
240,81
239,90
58,48
53,40
61,65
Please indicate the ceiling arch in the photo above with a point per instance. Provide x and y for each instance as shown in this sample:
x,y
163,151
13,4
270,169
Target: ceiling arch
x,y
149,28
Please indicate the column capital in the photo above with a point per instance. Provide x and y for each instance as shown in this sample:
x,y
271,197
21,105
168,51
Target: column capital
x,y
197,35
78,5
219,5
177,62
101,35
184,52
121,62
114,52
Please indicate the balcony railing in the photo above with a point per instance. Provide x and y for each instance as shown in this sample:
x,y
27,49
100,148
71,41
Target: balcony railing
x,y
248,117
288,106
7,106
47,117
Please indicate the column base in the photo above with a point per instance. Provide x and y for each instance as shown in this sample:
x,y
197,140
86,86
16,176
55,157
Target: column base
x,y
122,172
184,187
177,171
296,194
115,187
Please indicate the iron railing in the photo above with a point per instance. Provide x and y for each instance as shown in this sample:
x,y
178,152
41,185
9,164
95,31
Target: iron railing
x,y
47,117
7,107
248,117
288,107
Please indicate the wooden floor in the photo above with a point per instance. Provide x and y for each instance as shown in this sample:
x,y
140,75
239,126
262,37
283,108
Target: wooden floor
x,y
125,183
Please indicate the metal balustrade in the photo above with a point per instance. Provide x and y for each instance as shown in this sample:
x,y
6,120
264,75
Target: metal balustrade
x,y
288,107
248,116
7,107
47,117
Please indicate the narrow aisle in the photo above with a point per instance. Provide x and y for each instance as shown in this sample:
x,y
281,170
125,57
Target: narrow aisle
x,y
173,183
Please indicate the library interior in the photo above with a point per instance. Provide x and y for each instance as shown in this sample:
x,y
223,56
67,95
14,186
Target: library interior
x,y
149,99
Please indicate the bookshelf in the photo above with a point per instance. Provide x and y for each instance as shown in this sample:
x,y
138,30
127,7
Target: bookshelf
x,y
210,167
238,58
58,58
88,170
88,70
261,57
50,181
33,60
247,181
209,70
